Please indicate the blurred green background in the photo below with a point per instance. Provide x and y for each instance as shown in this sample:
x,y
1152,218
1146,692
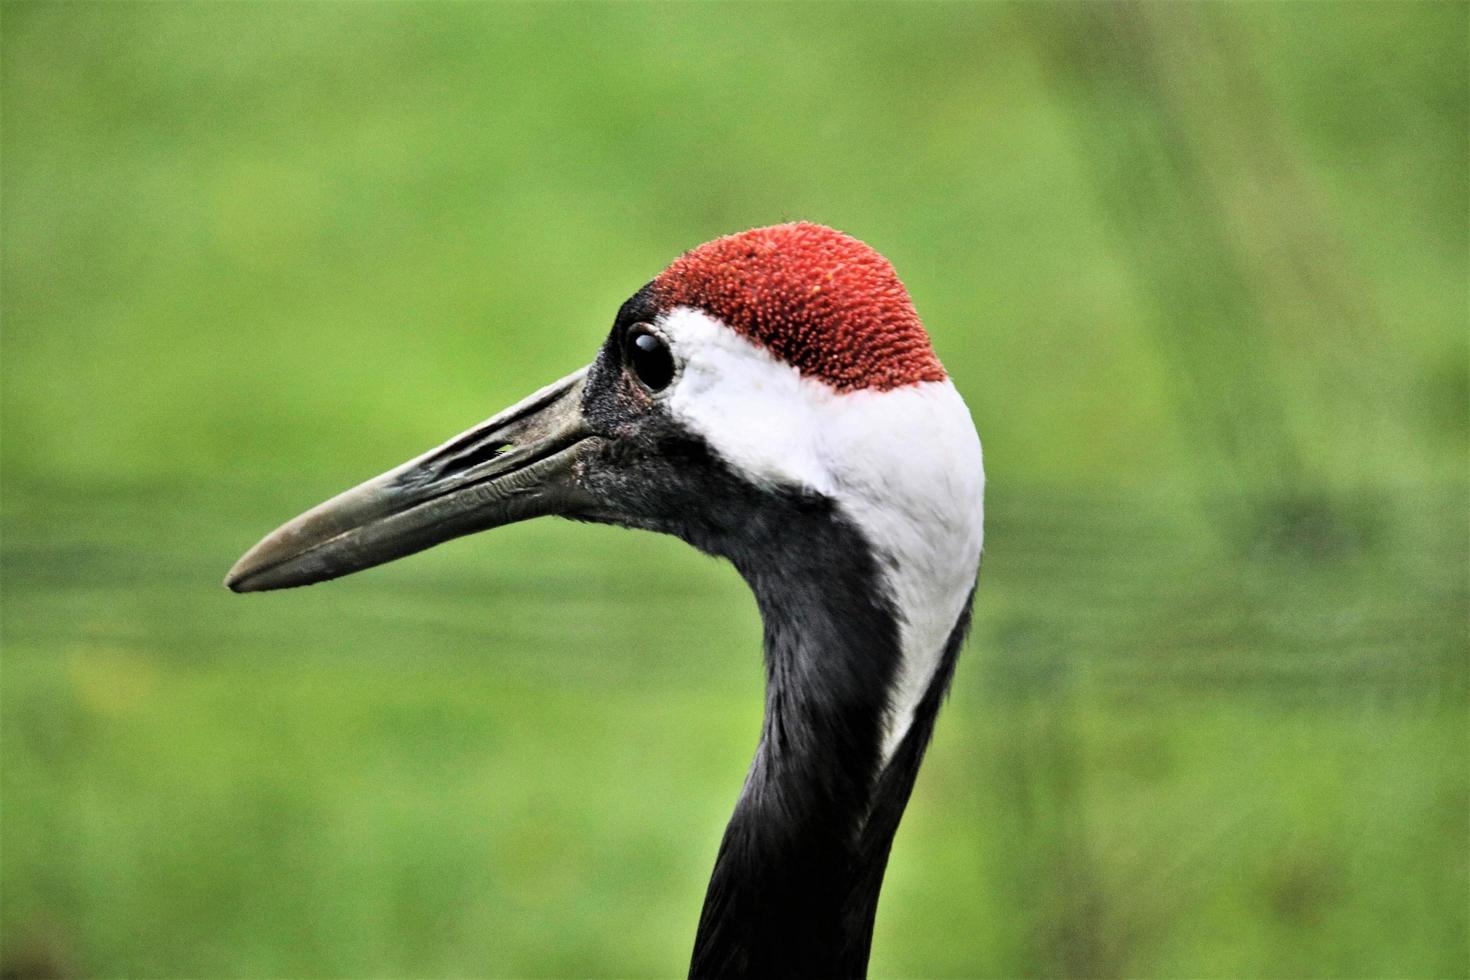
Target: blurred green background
x,y
1199,271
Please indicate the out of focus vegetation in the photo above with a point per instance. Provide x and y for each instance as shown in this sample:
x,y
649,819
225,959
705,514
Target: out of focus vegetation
x,y
1200,272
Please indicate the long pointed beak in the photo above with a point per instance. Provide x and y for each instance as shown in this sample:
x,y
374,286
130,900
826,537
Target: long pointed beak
x,y
514,466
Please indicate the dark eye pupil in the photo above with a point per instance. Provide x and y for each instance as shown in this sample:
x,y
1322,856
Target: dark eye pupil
x,y
650,359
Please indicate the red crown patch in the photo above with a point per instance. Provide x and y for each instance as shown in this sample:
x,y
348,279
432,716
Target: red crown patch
x,y
820,300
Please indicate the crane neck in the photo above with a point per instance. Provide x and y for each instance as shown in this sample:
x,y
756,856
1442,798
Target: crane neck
x,y
795,887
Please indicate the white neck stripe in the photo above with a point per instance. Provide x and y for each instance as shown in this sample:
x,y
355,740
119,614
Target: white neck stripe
x,y
904,465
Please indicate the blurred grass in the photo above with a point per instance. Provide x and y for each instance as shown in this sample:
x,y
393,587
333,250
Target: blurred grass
x,y
1199,271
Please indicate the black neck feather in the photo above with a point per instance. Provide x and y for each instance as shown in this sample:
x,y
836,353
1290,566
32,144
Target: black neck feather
x,y
795,887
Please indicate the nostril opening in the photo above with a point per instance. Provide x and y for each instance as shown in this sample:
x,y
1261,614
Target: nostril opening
x,y
483,453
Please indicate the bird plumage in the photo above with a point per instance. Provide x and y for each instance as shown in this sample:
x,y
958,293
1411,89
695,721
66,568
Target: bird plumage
x,y
773,399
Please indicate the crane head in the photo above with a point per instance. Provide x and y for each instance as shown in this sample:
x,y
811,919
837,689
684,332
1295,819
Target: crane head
x,y
782,362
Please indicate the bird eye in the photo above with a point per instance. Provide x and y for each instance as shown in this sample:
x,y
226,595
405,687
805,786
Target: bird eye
x,y
649,357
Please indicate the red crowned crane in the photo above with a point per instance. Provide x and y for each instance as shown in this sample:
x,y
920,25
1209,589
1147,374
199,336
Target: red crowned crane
x,y
771,398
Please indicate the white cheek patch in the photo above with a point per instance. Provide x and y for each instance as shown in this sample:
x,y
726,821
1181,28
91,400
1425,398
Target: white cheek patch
x,y
760,413
903,464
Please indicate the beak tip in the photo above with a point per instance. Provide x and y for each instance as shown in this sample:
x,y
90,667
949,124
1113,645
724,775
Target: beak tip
x,y
238,580
271,566
246,574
